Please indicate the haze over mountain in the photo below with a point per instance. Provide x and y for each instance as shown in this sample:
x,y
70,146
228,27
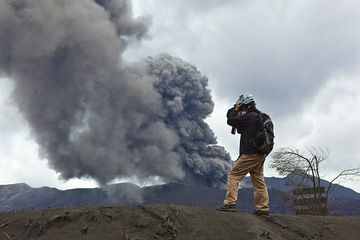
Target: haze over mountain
x,y
342,201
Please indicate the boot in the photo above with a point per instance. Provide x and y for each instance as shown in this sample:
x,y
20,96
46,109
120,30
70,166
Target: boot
x,y
227,208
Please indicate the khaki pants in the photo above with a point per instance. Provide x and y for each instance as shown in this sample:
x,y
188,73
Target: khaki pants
x,y
253,164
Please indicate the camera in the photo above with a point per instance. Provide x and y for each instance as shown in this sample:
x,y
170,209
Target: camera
x,y
233,130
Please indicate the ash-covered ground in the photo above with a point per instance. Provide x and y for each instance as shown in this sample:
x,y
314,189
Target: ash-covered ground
x,y
169,222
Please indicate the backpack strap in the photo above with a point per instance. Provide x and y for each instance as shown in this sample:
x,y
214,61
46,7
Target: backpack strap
x,y
262,125
267,121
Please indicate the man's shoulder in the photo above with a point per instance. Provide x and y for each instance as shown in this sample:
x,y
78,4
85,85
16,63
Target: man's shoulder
x,y
263,114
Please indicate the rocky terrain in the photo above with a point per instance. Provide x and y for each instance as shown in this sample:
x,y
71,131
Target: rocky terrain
x,y
168,221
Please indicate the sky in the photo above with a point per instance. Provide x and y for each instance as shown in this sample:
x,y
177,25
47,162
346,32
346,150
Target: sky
x,y
300,60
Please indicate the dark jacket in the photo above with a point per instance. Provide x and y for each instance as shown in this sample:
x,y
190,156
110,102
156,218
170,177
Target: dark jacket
x,y
247,125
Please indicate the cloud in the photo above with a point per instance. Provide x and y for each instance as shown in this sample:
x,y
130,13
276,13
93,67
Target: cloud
x,y
275,49
332,120
94,116
294,56
10,121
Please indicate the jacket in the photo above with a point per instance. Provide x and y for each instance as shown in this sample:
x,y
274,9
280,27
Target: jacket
x,y
246,124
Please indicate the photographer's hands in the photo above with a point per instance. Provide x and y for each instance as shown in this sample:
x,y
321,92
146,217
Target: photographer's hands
x,y
238,106
238,110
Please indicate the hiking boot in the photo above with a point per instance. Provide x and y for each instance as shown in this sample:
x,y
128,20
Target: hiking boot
x,y
228,208
261,213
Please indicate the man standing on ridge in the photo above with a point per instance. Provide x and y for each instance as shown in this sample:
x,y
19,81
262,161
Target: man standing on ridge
x,y
245,118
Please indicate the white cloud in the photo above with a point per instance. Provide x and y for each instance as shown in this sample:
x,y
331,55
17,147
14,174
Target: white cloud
x,y
334,120
329,120
19,163
274,49
299,58
19,158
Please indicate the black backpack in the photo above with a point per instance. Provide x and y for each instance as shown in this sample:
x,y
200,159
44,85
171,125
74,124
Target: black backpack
x,y
264,138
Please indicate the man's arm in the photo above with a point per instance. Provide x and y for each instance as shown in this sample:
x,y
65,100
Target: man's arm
x,y
237,120
233,116
232,112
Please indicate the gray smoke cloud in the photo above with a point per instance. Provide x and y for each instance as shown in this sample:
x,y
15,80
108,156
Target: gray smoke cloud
x,y
94,116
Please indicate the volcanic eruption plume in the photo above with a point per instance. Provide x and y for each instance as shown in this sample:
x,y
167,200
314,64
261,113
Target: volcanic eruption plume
x,y
95,116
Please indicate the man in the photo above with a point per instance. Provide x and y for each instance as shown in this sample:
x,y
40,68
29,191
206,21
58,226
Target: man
x,y
244,117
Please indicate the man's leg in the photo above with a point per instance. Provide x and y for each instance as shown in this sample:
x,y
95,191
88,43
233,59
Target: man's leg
x,y
261,195
243,165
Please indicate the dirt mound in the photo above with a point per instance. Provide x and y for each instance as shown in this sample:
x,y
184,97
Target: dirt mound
x,y
169,222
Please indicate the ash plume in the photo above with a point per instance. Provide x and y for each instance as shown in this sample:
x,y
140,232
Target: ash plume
x,y
94,116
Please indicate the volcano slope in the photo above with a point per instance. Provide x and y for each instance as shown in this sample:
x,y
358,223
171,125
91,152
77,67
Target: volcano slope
x,y
168,221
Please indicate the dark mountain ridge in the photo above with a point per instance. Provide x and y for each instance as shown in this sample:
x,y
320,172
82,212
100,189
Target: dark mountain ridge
x,y
343,201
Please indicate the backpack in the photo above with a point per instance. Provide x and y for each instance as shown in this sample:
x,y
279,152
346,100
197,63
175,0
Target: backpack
x,y
264,138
